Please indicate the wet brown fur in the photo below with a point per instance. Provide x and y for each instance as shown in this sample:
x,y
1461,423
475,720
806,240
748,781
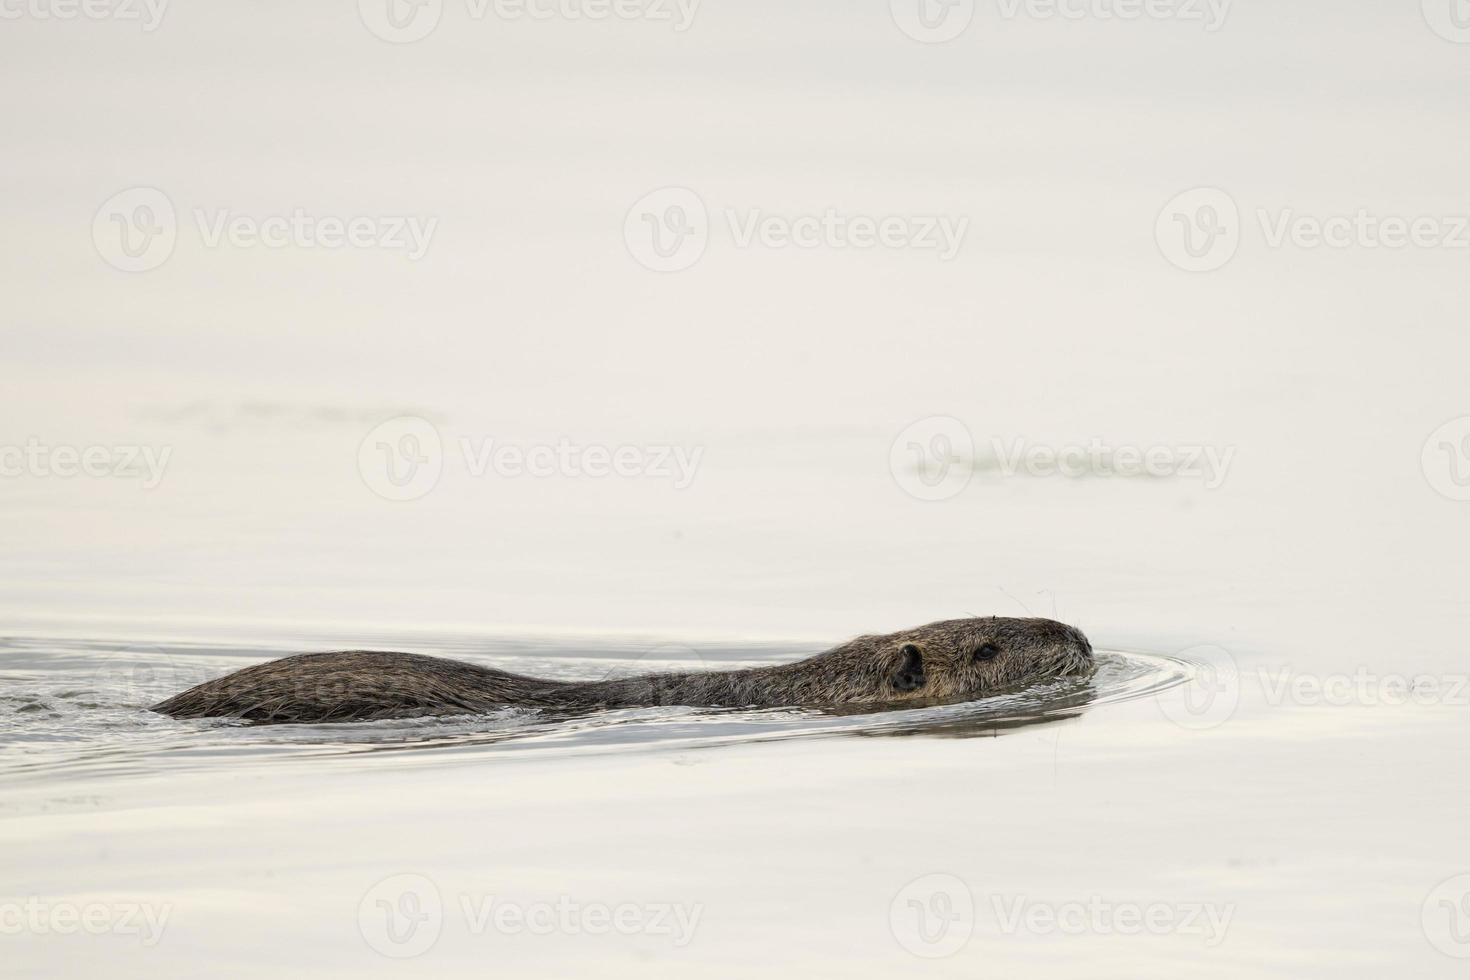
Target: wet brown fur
x,y
953,660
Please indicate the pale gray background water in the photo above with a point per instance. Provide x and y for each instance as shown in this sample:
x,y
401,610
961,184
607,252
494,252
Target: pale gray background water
x,y
1270,829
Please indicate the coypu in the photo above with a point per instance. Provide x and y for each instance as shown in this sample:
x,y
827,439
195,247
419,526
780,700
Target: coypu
x,y
954,660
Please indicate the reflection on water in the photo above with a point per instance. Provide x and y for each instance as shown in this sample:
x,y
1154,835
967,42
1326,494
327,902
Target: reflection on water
x,y
72,707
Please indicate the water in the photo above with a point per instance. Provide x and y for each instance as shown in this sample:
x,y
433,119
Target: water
x,y
1184,787
1266,778
77,708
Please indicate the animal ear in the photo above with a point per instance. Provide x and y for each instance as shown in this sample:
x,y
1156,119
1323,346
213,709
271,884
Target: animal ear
x,y
910,676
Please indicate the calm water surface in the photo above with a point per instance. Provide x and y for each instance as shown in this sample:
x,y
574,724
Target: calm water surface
x,y
1266,778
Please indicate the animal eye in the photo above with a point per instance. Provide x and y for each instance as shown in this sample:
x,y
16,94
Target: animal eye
x,y
987,651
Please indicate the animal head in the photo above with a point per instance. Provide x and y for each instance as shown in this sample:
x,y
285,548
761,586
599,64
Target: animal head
x,y
963,659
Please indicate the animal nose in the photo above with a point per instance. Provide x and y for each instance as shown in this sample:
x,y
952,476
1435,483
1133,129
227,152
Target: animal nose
x,y
1082,642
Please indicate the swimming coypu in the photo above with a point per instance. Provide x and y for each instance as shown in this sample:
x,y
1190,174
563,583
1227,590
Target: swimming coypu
x,y
954,660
